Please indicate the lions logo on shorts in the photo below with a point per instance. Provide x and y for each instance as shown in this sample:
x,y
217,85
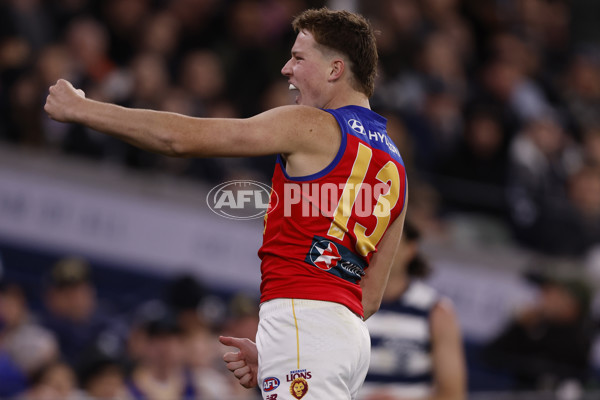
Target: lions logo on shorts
x,y
299,388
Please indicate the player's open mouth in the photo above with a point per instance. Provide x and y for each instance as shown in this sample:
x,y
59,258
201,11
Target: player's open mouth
x,y
294,88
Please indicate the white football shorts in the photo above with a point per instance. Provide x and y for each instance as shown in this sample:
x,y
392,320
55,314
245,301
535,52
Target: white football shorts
x,y
311,350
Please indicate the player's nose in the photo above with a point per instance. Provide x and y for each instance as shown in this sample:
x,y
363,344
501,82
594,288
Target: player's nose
x,y
287,69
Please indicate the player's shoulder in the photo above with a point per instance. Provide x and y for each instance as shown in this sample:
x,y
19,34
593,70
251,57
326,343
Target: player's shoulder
x,y
443,315
301,112
299,118
420,295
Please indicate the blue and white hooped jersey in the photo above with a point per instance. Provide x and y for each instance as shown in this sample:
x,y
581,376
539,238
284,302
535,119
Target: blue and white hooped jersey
x,y
401,343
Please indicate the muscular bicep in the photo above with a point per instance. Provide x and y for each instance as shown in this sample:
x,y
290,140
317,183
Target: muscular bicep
x,y
283,130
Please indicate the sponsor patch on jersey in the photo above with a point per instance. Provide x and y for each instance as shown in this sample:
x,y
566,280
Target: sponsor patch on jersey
x,y
271,397
299,388
335,259
271,383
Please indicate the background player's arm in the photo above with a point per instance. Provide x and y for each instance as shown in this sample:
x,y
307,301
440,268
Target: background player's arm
x,y
449,371
376,275
283,130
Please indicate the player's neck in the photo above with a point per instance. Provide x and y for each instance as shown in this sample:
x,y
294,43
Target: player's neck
x,y
348,97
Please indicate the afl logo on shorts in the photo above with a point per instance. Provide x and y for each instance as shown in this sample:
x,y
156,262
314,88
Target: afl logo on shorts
x,y
357,126
271,383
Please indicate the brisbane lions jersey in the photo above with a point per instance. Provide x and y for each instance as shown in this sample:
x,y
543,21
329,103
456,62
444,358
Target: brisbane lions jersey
x,y
321,230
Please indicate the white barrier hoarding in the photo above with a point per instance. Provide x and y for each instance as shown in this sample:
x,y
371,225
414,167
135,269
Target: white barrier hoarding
x,y
45,212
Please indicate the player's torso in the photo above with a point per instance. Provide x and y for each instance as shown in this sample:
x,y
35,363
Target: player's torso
x,y
322,230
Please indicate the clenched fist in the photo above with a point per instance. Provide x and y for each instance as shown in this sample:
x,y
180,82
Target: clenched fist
x,y
63,101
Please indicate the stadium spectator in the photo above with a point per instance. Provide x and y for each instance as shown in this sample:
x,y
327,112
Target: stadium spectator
x,y
73,312
102,377
160,372
55,380
542,160
474,177
547,342
24,345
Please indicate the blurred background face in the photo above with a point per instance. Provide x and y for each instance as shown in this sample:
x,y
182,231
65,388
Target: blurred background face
x,y
591,139
107,384
440,57
200,351
584,192
406,252
165,351
547,136
501,78
484,136
558,305
61,379
57,382
12,307
584,78
75,302
161,34
203,75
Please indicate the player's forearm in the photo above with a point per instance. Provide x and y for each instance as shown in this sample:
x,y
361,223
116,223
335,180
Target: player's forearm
x,y
370,305
156,131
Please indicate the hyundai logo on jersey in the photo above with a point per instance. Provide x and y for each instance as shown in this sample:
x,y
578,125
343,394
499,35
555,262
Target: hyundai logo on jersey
x,y
357,126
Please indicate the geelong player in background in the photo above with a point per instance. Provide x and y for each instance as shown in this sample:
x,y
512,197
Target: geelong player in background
x,y
330,242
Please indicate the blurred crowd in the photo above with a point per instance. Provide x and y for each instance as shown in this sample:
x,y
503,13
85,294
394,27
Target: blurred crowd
x,y
493,103
76,345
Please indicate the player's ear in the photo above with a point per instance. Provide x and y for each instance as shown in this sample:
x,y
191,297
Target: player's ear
x,y
337,69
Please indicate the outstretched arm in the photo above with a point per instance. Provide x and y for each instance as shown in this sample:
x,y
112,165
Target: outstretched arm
x,y
284,130
449,370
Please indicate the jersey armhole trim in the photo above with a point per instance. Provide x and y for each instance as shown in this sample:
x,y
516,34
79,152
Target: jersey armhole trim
x,y
325,170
